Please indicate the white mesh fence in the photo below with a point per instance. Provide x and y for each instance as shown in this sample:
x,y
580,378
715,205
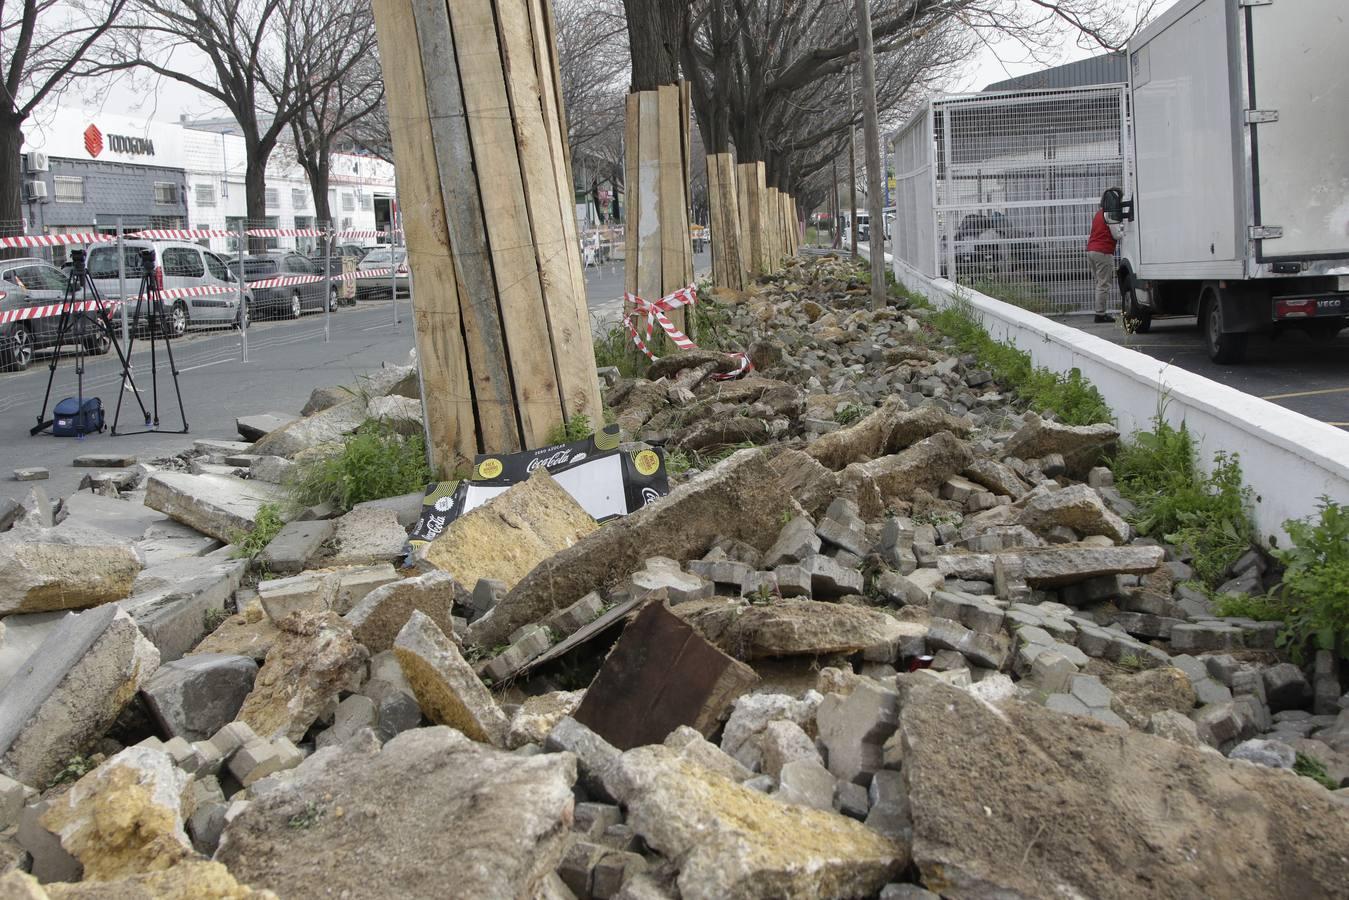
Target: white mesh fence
x,y
998,191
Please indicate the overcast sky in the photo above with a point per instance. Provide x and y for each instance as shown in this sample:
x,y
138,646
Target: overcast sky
x,y
165,99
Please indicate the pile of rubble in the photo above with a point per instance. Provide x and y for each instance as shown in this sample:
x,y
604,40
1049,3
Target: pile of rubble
x,y
905,645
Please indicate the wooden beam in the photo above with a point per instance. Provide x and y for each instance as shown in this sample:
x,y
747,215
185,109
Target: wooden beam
x,y
650,232
446,393
676,251
632,214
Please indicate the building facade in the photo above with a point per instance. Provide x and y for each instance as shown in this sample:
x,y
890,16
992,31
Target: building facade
x,y
93,172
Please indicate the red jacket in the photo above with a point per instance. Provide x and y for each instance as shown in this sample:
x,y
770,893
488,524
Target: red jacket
x,y
1101,240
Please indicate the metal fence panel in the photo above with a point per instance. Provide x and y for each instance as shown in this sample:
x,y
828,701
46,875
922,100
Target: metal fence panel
x,y
1014,180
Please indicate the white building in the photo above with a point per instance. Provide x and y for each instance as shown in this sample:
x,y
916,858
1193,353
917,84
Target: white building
x,y
86,172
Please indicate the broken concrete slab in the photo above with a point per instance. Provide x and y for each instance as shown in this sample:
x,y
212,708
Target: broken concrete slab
x,y
407,507
196,696
104,461
256,427
309,592
378,618
294,545
1054,566
430,809
1082,446
70,690
43,575
1077,507
364,537
445,685
20,636
125,817
166,540
31,473
925,465
1077,796
314,659
803,627
854,730
247,633
734,842
326,426
171,603
890,429
661,674
510,535
740,499
213,504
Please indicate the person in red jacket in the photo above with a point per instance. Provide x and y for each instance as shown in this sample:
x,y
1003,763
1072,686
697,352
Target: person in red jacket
x,y
1105,234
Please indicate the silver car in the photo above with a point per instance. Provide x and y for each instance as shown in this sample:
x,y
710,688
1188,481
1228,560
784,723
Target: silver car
x,y
30,282
368,286
178,265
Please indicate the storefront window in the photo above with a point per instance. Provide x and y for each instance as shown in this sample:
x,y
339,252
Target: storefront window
x,y
272,197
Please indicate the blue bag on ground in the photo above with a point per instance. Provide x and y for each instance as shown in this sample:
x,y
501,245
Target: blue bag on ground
x,y
72,419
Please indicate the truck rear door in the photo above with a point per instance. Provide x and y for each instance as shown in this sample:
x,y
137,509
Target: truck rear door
x,y
1299,98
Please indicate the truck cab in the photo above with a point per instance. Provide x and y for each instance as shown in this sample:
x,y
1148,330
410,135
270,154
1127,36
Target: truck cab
x,y
1240,161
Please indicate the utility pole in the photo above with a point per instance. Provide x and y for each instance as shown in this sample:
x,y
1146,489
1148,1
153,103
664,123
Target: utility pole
x,y
873,140
852,169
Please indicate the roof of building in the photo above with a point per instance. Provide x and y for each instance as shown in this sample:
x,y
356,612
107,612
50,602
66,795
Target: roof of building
x,y
1108,68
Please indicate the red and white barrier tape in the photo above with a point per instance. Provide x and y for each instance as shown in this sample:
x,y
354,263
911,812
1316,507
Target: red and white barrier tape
x,y
53,309
178,234
656,313
286,281
54,240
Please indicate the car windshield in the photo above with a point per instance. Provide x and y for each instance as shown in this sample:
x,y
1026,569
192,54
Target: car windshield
x,y
254,266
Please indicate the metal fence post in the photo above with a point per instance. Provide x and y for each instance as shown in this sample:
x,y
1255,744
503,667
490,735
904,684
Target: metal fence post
x,y
244,317
327,233
121,281
393,261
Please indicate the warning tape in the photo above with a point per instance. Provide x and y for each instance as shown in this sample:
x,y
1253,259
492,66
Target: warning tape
x,y
656,313
178,234
54,240
54,309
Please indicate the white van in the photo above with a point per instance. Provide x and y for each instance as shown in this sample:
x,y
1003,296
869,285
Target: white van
x,y
178,264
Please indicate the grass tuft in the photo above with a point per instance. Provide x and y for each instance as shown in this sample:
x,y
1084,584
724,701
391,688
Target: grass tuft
x,y
577,428
266,524
374,462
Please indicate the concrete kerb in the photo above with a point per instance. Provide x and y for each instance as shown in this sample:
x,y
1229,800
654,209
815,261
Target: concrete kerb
x,y
1287,459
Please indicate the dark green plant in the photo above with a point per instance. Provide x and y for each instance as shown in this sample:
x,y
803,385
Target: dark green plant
x,y
1260,607
1316,580
213,619
266,524
1207,515
577,428
1313,768
75,768
1025,294
374,462
853,412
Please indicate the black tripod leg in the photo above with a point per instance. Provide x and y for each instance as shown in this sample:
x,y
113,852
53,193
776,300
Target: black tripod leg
x,y
56,356
124,357
126,371
177,389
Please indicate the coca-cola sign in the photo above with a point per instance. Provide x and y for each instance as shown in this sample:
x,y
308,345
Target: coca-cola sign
x,y
556,460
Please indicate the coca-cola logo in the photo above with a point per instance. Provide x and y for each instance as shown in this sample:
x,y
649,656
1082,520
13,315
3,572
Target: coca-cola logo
x,y
649,496
556,460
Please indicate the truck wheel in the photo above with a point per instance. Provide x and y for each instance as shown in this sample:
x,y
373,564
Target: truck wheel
x,y
1224,347
1325,331
1136,319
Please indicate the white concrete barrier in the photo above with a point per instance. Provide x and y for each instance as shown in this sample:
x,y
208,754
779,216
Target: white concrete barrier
x,y
1287,459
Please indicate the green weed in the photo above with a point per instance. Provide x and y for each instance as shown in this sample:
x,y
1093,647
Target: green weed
x,y
852,412
1313,768
677,463
306,818
1206,514
75,768
266,524
213,619
1261,608
1316,580
374,462
1025,294
577,428
1072,399
615,348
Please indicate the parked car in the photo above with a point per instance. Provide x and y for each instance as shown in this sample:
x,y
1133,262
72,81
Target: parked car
x,y
368,286
988,245
178,264
285,301
34,282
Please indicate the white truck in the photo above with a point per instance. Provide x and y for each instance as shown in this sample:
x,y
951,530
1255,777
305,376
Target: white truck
x,y
1240,159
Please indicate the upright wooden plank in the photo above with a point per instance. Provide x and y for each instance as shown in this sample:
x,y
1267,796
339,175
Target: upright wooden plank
x,y
735,237
649,237
441,356
632,214
686,131
744,173
452,155
509,238
720,270
773,224
675,247
555,245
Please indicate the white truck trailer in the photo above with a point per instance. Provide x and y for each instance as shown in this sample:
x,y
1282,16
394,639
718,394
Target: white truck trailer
x,y
1240,156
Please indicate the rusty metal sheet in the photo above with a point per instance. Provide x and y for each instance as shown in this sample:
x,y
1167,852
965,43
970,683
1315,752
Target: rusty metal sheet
x,y
661,674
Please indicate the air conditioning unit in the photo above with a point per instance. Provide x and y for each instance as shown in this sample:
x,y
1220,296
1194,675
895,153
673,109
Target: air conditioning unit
x,y
37,190
37,162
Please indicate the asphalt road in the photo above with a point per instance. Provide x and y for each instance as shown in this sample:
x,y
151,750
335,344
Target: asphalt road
x,y
286,361
1292,371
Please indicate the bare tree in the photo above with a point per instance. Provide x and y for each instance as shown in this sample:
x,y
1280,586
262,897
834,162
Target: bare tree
x,y
44,46
337,67
251,68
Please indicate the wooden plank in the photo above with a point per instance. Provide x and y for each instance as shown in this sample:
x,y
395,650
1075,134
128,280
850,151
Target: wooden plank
x,y
452,154
737,253
717,223
446,393
749,221
556,250
509,238
632,214
675,248
647,199
686,130
773,224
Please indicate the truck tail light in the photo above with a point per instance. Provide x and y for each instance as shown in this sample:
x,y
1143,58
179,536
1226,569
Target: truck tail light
x,y
1294,309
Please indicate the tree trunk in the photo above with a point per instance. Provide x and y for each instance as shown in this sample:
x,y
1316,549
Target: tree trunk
x,y
11,181
656,31
255,185
873,142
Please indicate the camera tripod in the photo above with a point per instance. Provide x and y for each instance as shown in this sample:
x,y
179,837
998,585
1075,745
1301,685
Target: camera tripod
x,y
95,312
156,322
